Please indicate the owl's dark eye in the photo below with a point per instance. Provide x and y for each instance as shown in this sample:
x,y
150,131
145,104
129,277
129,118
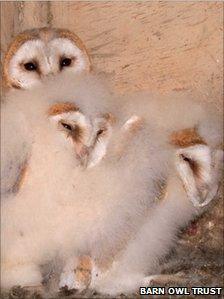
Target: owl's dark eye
x,y
30,66
65,62
66,126
186,159
100,132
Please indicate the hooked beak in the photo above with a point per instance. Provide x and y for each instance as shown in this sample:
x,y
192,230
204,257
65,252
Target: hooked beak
x,y
82,153
81,150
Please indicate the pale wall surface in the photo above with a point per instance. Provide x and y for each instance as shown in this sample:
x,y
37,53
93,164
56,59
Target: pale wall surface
x,y
143,45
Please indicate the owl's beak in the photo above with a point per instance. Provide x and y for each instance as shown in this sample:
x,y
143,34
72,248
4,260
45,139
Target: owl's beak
x,y
82,151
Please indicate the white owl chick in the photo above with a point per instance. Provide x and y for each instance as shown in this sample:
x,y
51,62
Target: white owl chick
x,y
35,54
33,219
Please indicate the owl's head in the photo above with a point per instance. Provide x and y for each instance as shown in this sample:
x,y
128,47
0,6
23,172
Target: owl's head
x,y
88,137
37,53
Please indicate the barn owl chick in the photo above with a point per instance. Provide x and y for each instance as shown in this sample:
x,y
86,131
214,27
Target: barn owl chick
x,y
89,137
74,140
35,54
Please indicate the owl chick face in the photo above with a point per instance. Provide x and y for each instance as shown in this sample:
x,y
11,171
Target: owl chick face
x,y
89,137
37,53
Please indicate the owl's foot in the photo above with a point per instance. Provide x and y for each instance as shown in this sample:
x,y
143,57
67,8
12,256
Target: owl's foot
x,y
69,281
77,278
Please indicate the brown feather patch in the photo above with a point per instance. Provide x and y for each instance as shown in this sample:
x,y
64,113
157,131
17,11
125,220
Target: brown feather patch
x,y
21,178
110,118
59,108
186,137
84,269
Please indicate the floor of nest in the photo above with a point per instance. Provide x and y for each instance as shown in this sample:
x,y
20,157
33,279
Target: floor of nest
x,y
198,257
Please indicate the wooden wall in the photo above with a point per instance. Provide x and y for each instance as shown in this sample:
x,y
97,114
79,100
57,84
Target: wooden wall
x,y
143,45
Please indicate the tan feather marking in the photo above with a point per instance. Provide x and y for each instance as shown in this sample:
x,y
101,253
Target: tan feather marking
x,y
22,175
110,118
46,34
135,126
186,137
59,108
84,270
77,137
